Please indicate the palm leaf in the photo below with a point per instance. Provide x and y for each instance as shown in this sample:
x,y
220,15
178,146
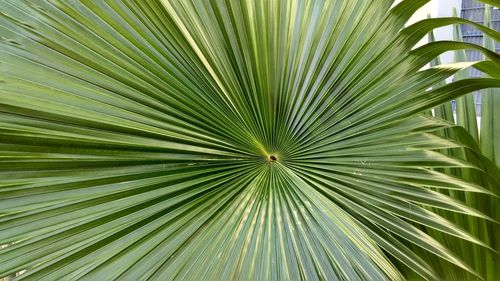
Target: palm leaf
x,y
219,140
467,133
490,145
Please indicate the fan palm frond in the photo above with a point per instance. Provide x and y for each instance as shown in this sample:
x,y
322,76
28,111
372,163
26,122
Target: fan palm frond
x,y
222,140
